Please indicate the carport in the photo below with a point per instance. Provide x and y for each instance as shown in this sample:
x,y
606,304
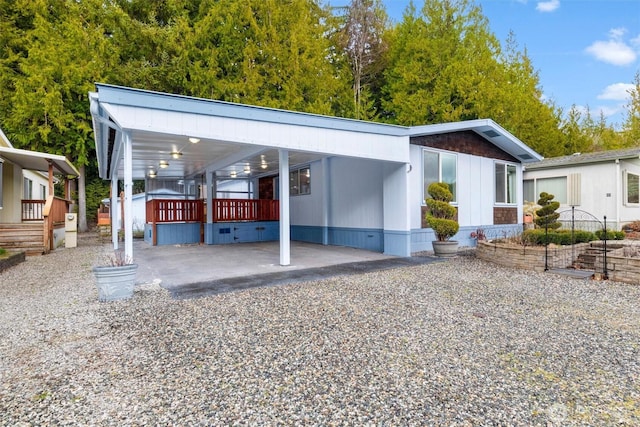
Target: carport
x,y
144,135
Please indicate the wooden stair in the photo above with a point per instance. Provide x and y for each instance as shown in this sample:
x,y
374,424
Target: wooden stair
x,y
23,237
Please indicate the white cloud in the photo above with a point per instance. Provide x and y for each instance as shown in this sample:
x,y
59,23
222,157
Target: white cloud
x,y
548,6
612,51
617,92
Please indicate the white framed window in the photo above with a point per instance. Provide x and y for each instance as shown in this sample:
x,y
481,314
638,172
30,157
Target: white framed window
x,y
43,192
300,181
631,191
27,192
555,185
506,184
439,167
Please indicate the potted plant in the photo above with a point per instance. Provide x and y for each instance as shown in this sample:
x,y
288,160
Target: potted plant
x,y
115,279
441,218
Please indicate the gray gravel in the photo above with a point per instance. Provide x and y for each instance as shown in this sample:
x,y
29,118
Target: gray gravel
x,y
460,343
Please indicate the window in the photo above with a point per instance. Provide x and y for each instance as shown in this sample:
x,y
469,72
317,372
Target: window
x,y
506,184
529,191
556,186
300,181
632,194
43,192
439,167
28,189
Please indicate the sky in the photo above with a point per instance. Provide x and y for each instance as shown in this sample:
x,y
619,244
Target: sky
x,y
587,52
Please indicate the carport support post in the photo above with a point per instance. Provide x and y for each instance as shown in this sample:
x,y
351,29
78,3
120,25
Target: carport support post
x,y
128,188
285,244
113,211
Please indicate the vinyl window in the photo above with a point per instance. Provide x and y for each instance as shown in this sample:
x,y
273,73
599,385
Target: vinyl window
x,y
506,183
439,167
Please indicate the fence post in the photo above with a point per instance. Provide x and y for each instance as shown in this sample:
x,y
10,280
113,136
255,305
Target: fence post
x,y
605,273
546,247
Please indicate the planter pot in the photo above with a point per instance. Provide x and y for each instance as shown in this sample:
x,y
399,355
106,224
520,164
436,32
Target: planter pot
x,y
115,283
446,249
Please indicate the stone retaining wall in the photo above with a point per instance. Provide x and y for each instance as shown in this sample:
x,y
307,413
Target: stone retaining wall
x,y
527,257
620,268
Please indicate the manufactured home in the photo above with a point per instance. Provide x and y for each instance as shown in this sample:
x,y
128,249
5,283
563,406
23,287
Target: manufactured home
x,y
32,219
601,184
252,173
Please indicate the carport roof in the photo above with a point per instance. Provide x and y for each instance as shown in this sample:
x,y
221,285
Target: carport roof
x,y
239,137
36,161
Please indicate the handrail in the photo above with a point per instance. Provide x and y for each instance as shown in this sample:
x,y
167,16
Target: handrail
x,y
174,210
53,214
245,210
32,210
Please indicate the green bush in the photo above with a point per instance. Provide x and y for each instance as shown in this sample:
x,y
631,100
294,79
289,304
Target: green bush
x,y
441,214
611,235
558,237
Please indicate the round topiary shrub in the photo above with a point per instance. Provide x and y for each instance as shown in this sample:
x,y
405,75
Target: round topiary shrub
x,y
441,215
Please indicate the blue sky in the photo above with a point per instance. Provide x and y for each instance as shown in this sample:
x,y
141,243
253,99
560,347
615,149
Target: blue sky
x,y
586,52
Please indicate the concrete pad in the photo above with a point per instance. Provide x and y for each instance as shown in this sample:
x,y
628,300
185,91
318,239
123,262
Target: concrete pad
x,y
176,265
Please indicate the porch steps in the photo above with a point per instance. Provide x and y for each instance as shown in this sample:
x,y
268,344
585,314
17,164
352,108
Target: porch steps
x,y
587,260
22,237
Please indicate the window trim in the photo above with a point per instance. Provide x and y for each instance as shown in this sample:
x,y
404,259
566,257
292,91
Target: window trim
x,y
506,166
298,170
425,195
626,188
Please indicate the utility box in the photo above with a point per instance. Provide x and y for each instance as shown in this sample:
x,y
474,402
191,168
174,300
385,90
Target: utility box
x,y
70,230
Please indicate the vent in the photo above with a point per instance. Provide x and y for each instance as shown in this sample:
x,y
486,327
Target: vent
x,y
525,156
491,133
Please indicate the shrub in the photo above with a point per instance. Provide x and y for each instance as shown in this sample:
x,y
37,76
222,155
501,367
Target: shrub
x,y
557,237
441,214
547,217
611,235
632,226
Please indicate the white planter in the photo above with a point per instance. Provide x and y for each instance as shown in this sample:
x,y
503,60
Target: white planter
x,y
115,283
446,249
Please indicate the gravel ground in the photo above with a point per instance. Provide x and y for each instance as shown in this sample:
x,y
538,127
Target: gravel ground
x,y
459,343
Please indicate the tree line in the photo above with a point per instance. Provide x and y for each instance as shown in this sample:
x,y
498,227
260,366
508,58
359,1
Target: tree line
x,y
440,63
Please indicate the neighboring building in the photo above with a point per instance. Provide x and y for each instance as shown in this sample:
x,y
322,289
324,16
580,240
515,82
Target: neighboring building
x,y
26,182
348,182
597,184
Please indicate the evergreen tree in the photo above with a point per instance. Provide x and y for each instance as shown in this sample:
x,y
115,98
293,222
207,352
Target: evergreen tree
x,y
547,217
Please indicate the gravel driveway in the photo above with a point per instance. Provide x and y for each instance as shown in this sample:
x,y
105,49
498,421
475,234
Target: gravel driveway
x,y
460,343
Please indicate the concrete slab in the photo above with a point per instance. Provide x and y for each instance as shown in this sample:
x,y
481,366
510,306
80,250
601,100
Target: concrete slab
x,y
197,270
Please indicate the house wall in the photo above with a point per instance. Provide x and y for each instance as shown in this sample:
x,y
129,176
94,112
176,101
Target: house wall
x,y
345,206
38,179
475,200
601,189
11,193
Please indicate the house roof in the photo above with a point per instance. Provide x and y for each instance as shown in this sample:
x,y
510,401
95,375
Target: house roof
x,y
487,129
36,161
240,137
4,141
586,158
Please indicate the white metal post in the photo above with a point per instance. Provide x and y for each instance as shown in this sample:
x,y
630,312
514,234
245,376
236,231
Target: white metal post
x,y
113,211
128,189
285,243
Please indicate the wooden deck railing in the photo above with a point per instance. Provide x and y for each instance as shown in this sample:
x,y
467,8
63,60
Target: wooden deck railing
x,y
53,214
32,210
169,210
245,210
